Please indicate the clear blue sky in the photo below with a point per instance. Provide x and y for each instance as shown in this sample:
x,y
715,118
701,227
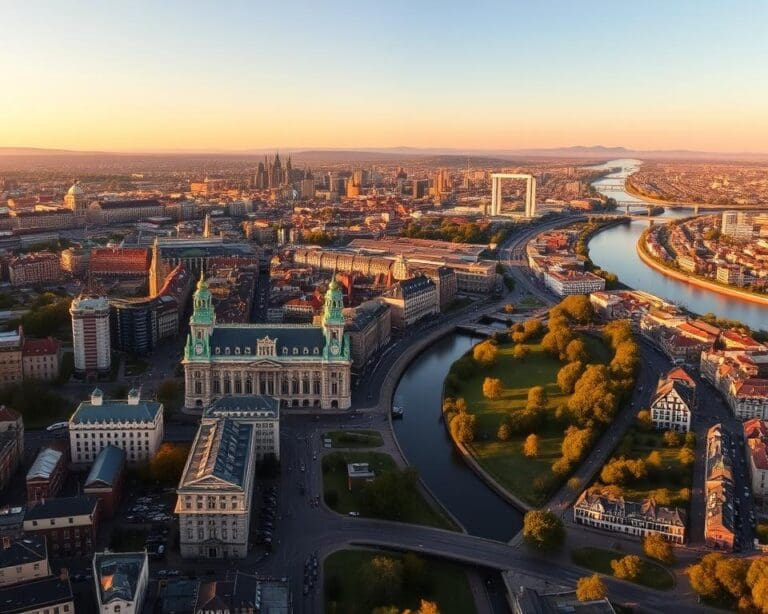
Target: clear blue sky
x,y
234,75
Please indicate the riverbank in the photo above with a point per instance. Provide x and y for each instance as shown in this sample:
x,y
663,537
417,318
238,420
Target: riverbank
x,y
694,280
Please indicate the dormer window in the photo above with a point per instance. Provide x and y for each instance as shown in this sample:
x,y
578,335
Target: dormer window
x,y
306,351
285,351
248,351
295,351
218,350
226,351
316,351
237,351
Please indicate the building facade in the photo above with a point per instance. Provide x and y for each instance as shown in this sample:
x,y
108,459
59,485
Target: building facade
x,y
300,365
412,300
11,364
40,358
639,518
24,559
133,425
214,493
369,326
105,479
756,442
90,335
46,475
30,269
673,403
69,524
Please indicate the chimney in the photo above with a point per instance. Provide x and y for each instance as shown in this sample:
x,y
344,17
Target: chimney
x,y
97,397
134,396
6,542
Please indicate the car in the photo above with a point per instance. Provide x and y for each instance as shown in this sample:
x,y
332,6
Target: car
x,y
57,426
354,514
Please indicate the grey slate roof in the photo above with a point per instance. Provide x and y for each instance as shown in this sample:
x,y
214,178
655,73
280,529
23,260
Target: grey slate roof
x,y
44,464
248,403
106,467
21,551
117,574
221,449
61,507
115,411
288,336
34,595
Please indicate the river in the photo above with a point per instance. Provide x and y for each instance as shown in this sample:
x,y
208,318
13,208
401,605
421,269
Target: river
x,y
614,250
428,448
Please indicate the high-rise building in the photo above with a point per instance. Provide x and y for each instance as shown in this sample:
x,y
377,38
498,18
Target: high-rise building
x,y
737,225
90,335
441,184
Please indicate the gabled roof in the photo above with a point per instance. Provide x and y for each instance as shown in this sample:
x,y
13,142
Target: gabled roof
x,y
62,507
45,464
106,467
220,454
117,575
29,549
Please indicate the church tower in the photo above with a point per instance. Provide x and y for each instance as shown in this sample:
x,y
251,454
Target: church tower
x,y
336,343
74,199
201,323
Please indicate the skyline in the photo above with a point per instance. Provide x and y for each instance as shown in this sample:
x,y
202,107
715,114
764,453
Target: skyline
x,y
444,75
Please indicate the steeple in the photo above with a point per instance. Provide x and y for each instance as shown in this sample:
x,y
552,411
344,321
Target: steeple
x,y
155,271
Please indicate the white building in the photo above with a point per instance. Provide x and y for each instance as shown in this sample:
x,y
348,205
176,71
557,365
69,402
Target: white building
x,y
411,300
260,411
23,559
214,493
737,225
90,335
133,425
673,403
639,518
121,581
567,282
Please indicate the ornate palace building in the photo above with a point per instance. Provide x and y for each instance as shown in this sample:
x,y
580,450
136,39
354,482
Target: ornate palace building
x,y
300,365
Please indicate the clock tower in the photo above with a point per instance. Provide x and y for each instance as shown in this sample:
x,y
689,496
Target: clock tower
x,y
201,323
336,342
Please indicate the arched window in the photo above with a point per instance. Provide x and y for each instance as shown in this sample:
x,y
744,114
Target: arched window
x,y
248,385
295,351
316,351
285,351
226,351
218,350
237,351
248,350
306,351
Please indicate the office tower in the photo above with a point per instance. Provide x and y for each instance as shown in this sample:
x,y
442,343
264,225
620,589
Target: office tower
x,y
90,335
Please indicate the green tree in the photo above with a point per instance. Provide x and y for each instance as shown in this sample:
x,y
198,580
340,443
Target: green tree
x,y
656,547
415,576
492,388
531,446
543,530
591,588
383,579
390,495
628,567
568,375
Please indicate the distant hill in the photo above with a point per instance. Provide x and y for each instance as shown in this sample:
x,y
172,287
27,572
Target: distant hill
x,y
593,152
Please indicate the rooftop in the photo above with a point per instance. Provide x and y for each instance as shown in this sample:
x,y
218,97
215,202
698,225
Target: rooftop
x,y
45,464
221,450
117,575
106,467
30,549
258,404
34,595
61,507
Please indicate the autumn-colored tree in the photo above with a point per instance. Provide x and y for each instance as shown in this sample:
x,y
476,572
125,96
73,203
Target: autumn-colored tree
x,y
532,328
460,405
463,427
537,398
590,588
556,340
568,375
654,459
656,547
543,530
628,567
574,484
686,456
732,575
672,439
561,467
618,331
485,353
578,308
509,308
576,351
492,388
449,405
703,577
504,432
383,578
531,446
520,351
576,443
644,421
168,463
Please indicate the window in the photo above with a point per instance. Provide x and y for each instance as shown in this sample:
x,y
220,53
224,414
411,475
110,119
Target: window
x,y
285,351
295,351
226,351
237,351
217,351
248,351
316,351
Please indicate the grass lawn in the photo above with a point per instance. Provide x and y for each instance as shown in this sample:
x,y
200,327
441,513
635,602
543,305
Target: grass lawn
x,y
445,583
651,575
675,478
355,439
504,459
335,480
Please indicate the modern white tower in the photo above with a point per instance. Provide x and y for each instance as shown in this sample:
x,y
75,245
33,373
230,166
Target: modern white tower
x,y
530,192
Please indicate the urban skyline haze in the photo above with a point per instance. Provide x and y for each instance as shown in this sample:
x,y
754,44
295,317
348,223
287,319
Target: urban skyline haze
x,y
485,75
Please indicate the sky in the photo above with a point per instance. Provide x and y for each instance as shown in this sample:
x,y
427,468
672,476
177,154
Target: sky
x,y
233,76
